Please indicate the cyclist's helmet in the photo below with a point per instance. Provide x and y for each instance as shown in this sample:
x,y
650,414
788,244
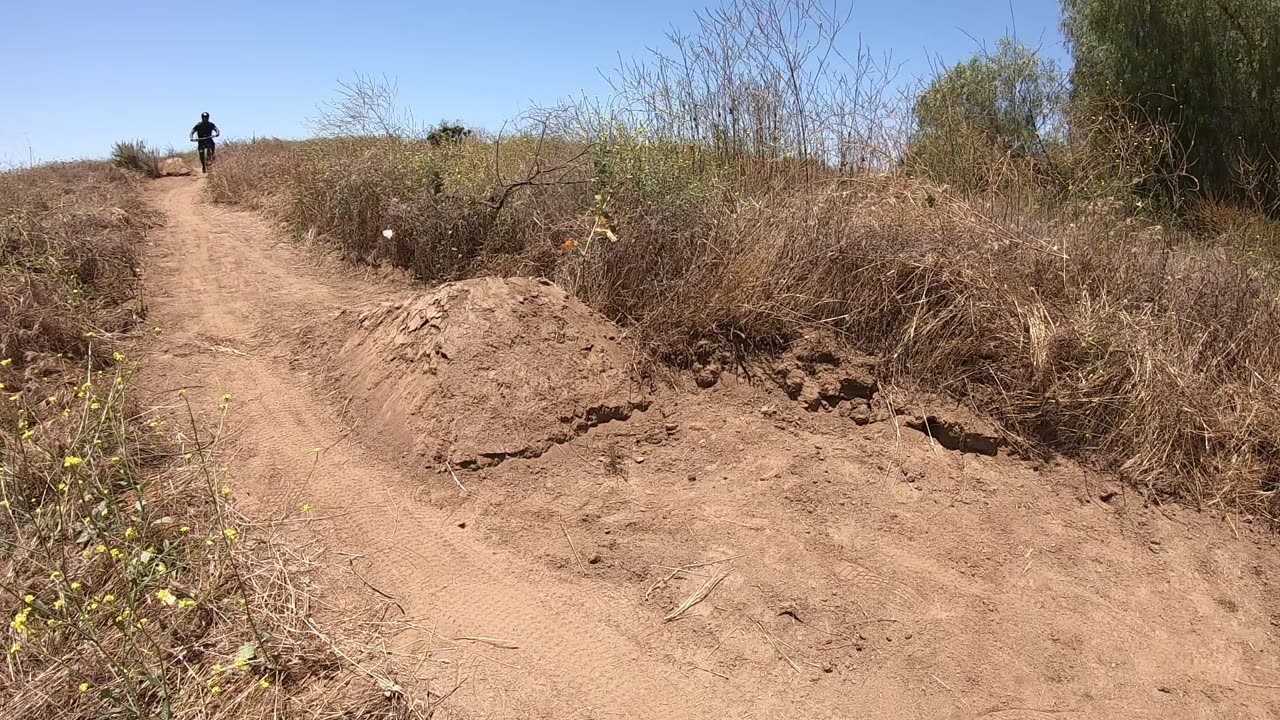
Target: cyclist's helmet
x,y
204,116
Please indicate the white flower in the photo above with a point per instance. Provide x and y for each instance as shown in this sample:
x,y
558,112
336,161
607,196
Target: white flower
x,y
388,234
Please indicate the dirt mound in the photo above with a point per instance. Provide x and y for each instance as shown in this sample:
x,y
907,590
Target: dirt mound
x,y
479,371
174,167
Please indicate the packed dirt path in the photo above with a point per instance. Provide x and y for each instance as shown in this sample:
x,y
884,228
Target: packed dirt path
x,y
872,574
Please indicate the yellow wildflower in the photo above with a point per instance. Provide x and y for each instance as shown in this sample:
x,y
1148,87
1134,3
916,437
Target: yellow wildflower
x,y
84,687
264,683
306,507
72,461
226,491
118,356
59,604
17,647
231,534
76,585
95,406
116,554
130,533
186,603
108,599
184,529
166,597
27,435
6,362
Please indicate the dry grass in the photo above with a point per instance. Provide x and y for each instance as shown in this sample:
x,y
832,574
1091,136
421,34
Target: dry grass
x,y
1089,330
131,585
67,255
135,156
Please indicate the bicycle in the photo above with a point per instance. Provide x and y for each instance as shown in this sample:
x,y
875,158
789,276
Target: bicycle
x,y
206,151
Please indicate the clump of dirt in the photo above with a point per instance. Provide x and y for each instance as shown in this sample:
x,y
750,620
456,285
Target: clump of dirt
x,y
479,371
823,377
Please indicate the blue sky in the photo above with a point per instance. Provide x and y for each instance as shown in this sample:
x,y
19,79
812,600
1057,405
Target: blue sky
x,y
79,75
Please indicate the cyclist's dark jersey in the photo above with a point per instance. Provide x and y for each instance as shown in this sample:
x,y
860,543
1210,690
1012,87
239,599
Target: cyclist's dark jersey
x,y
205,129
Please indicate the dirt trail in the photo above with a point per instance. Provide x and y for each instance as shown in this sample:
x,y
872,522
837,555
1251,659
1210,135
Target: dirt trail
x,y
877,576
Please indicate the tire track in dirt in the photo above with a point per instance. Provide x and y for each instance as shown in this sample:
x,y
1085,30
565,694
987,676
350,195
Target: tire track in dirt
x,y
225,291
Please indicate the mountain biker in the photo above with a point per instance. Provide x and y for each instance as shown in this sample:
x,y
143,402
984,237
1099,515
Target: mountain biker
x,y
204,132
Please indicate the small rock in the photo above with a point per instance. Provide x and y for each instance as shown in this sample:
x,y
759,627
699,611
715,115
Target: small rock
x,y
594,559
640,460
462,524
671,427
826,668
692,478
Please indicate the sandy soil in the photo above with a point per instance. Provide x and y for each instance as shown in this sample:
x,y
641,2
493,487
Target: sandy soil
x,y
850,568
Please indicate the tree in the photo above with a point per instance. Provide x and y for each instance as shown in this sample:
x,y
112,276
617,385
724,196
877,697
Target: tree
x,y
977,116
446,134
1011,99
1209,68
